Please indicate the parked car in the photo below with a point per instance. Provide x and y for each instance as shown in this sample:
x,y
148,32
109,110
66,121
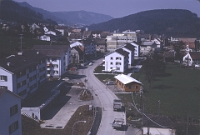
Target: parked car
x,y
118,123
117,104
110,83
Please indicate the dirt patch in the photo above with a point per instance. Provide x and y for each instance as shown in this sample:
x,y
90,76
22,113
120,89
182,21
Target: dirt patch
x,y
31,127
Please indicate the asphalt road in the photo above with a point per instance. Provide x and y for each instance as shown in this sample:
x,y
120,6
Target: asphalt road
x,y
103,97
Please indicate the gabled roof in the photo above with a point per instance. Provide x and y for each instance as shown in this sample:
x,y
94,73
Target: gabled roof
x,y
21,61
3,91
129,47
125,79
51,50
122,52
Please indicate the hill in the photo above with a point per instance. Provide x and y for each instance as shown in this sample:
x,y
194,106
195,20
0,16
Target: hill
x,y
80,18
13,12
173,22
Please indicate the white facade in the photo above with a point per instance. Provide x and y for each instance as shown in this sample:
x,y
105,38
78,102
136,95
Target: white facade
x,y
116,62
25,81
131,55
10,104
45,38
118,39
137,49
56,66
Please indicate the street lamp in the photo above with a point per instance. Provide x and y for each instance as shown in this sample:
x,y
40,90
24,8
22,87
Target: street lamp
x,y
75,124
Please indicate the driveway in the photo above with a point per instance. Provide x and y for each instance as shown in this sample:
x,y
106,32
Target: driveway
x,y
103,97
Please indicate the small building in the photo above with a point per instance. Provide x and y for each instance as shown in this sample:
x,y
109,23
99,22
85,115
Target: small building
x,y
10,104
127,83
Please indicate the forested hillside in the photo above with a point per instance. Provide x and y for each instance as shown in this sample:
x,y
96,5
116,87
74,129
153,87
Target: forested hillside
x,y
176,22
12,11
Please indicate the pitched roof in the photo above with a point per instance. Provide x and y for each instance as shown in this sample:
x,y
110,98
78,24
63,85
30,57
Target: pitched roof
x,y
122,52
125,79
23,60
2,91
130,47
51,50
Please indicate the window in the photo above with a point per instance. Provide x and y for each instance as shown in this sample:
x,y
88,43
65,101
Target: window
x,y
111,63
3,78
55,66
13,110
118,58
13,127
111,58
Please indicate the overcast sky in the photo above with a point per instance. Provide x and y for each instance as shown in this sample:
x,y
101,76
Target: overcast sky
x,y
114,8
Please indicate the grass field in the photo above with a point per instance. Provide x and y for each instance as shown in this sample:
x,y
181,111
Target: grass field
x,y
178,90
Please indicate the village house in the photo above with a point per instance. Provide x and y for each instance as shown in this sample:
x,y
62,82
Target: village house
x,y
117,61
58,58
127,83
23,73
77,52
10,105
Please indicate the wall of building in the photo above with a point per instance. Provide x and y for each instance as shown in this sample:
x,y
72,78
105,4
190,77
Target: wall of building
x,y
8,100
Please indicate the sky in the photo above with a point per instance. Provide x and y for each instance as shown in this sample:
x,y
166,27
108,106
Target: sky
x,y
114,8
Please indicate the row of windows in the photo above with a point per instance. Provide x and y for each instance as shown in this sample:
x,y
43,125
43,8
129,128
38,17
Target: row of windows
x,y
20,84
117,58
33,86
117,63
32,78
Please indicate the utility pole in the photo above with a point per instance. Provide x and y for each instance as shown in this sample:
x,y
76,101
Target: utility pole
x,y
21,40
159,102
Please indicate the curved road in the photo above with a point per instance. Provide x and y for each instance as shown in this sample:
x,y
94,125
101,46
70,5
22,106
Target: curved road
x,y
103,97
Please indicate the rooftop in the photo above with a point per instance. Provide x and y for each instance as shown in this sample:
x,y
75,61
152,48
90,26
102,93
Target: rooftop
x,y
125,79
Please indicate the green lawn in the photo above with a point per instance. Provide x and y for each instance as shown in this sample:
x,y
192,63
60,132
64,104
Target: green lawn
x,y
178,90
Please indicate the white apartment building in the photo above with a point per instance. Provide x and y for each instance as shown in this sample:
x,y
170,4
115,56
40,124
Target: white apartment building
x,y
137,49
23,73
117,61
116,40
58,58
10,113
130,49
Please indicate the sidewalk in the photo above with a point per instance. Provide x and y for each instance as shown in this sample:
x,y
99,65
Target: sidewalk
x,y
61,118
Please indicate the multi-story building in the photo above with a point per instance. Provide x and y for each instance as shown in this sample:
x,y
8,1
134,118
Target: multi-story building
x,y
86,49
117,61
58,58
130,49
10,104
23,73
116,40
